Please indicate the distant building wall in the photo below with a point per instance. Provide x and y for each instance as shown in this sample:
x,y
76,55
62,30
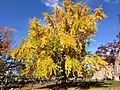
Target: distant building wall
x,y
112,72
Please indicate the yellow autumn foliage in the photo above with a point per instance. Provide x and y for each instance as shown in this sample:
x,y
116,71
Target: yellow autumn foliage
x,y
96,62
61,42
73,65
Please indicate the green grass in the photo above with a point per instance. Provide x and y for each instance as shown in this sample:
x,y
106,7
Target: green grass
x,y
114,83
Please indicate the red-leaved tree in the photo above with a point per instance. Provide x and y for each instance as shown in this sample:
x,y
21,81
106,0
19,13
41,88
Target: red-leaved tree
x,y
110,50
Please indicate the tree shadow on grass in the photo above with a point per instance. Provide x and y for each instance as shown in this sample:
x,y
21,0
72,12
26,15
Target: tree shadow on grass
x,y
81,85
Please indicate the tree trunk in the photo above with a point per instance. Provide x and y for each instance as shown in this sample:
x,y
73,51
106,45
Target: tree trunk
x,y
63,72
64,77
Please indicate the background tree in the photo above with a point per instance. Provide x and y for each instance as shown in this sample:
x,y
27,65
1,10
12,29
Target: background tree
x,y
5,44
8,66
59,47
110,50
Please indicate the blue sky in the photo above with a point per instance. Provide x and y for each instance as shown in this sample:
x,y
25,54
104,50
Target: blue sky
x,y
16,14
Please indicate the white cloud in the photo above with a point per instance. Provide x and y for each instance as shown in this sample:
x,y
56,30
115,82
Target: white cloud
x,y
107,0
6,28
51,3
112,1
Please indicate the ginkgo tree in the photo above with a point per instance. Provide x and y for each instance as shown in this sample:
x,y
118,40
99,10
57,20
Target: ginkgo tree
x,y
59,47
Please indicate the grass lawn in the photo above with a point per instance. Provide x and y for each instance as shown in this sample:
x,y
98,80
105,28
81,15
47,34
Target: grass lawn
x,y
108,85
